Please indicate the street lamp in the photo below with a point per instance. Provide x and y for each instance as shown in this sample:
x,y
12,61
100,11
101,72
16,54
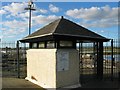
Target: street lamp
x,y
30,8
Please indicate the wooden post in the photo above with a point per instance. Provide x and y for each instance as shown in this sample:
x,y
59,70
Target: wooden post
x,y
100,61
80,62
95,47
80,46
18,61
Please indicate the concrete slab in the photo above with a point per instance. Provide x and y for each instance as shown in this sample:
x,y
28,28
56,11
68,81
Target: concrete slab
x,y
15,83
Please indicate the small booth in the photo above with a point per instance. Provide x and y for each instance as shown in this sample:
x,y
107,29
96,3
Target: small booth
x,y
53,58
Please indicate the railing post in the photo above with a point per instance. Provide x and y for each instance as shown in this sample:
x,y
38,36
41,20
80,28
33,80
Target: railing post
x,y
95,47
80,62
18,61
112,59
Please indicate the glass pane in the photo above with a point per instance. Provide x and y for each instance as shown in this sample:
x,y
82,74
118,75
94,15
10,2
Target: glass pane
x,y
66,43
50,44
41,45
34,45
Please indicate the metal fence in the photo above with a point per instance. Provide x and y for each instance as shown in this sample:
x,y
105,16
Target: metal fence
x,y
87,62
13,59
111,62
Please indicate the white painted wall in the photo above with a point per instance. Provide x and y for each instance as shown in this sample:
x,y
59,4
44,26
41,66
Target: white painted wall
x,y
41,63
42,67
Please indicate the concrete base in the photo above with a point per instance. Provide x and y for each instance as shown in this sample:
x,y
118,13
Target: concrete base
x,y
37,83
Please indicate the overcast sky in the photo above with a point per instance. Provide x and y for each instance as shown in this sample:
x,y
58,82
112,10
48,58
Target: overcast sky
x,y
100,17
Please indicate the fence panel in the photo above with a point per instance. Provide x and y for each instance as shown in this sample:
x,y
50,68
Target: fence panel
x,y
88,58
87,62
9,59
110,63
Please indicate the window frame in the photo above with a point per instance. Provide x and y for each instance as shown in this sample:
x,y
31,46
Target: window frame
x,y
73,44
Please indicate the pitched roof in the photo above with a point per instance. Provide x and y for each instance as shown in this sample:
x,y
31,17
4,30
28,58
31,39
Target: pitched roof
x,y
66,28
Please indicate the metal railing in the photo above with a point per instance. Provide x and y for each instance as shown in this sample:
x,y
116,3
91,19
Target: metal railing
x,y
111,60
13,59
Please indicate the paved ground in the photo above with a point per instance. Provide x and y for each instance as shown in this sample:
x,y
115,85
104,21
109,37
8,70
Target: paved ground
x,y
22,84
102,85
18,84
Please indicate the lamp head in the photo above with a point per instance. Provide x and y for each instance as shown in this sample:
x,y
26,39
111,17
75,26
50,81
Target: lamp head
x,y
30,3
30,6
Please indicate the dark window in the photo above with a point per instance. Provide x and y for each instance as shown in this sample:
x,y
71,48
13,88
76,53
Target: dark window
x,y
50,44
41,45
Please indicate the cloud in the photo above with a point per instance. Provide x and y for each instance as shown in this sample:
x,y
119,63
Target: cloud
x,y
103,23
24,16
18,10
3,29
53,8
13,28
17,27
43,11
15,24
41,19
15,8
93,13
95,16
3,12
102,31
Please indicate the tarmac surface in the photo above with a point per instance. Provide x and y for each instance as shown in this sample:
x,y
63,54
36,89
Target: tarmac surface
x,y
18,84
102,85
22,84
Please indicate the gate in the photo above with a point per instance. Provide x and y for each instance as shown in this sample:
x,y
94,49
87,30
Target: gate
x,y
111,60
13,59
88,56
88,53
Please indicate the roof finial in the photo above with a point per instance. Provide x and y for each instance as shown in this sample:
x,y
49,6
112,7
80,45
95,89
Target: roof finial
x,y
62,17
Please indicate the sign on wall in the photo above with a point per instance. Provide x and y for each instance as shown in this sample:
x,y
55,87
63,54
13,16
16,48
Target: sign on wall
x,y
62,61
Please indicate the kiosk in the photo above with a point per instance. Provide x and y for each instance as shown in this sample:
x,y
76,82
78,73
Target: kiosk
x,y
53,59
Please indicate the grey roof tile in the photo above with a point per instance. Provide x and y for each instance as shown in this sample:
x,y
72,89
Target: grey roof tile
x,y
64,27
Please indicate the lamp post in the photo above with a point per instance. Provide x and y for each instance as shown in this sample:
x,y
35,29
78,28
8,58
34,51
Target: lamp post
x,y
30,8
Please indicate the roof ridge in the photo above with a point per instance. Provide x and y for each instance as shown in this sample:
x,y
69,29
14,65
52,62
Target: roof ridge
x,y
57,25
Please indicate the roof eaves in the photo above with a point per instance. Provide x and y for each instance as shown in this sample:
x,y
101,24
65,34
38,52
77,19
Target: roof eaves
x,y
80,36
37,36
